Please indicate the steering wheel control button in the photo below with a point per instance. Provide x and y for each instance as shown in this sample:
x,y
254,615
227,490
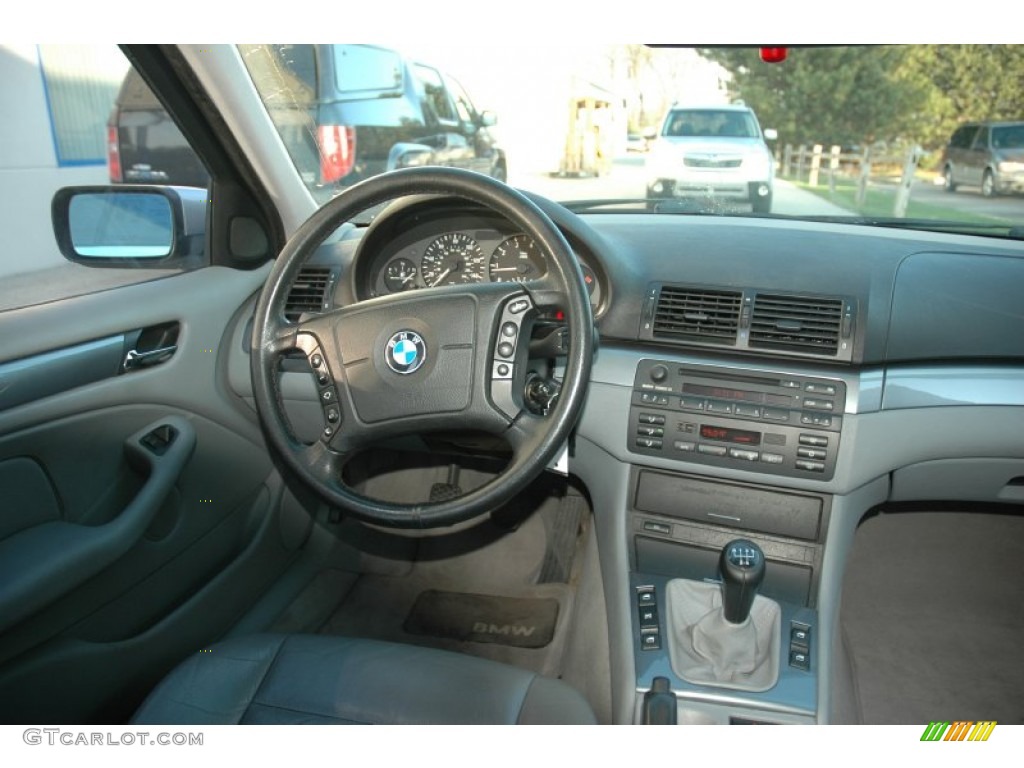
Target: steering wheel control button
x,y
405,352
316,360
514,313
332,414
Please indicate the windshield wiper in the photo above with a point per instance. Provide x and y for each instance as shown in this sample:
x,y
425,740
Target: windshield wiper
x,y
669,205
583,206
994,229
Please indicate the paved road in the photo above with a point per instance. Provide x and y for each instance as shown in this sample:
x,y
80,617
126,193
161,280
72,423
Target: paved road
x,y
969,200
628,181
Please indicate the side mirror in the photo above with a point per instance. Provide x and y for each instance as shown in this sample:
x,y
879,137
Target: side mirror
x,y
408,155
488,118
110,226
770,134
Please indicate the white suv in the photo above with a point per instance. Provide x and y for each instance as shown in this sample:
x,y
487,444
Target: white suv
x,y
717,152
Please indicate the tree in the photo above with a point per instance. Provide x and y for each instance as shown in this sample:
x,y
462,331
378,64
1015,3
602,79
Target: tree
x,y
828,95
964,82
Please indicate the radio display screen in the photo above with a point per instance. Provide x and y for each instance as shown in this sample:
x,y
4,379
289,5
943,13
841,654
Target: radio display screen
x,y
728,435
724,393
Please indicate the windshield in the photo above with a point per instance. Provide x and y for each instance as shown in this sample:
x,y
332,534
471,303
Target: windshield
x,y
918,136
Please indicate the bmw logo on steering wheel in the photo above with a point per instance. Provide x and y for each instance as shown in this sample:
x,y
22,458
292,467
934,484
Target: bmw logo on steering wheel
x,y
405,352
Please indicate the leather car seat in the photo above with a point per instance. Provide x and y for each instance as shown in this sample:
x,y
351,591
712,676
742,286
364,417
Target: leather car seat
x,y
316,679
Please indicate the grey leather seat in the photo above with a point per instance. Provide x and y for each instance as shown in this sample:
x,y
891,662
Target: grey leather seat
x,y
296,679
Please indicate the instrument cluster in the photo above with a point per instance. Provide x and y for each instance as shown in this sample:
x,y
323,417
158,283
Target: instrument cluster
x,y
469,251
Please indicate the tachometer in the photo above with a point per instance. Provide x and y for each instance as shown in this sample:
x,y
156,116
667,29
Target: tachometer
x,y
453,259
516,260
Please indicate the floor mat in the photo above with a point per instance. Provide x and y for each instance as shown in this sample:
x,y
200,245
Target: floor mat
x,y
932,616
515,621
563,529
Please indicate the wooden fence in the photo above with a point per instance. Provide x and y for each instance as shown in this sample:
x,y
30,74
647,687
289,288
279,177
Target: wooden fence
x,y
878,166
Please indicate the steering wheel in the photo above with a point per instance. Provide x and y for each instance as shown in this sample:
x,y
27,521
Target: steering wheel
x,y
410,363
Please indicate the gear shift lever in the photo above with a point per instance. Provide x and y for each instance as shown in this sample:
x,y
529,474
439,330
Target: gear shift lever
x,y
742,568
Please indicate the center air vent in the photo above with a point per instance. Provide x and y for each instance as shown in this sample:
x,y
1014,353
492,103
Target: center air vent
x,y
308,293
806,324
697,314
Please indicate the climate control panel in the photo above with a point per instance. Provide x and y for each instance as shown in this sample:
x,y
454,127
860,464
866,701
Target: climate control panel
x,y
781,425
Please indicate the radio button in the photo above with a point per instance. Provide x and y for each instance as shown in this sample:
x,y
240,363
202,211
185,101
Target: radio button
x,y
739,453
651,418
653,432
820,389
648,442
776,415
817,440
810,466
714,407
712,450
652,399
772,458
790,384
814,420
811,453
691,403
684,445
749,411
818,405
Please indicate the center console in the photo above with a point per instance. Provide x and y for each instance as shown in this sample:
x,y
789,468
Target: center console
x,y
680,523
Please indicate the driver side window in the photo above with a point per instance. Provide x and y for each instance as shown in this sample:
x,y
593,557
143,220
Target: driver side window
x,y
80,115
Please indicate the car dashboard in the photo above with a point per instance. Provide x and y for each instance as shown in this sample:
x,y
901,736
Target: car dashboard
x,y
773,378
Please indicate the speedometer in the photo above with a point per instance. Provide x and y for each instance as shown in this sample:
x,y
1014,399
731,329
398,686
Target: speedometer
x,y
516,260
453,259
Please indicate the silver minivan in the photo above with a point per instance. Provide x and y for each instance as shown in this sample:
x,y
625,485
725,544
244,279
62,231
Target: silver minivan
x,y
987,155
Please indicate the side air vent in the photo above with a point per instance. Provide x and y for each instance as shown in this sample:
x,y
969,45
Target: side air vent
x,y
308,293
705,315
806,324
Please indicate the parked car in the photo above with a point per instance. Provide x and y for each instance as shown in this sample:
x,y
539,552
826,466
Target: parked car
x,y
347,112
717,152
987,155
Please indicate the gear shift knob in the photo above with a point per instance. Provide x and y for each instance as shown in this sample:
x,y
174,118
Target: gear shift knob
x,y
742,567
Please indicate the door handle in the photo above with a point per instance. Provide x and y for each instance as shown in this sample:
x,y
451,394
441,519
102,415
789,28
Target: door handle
x,y
135,359
150,346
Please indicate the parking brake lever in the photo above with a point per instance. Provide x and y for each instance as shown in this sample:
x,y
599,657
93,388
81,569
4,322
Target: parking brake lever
x,y
660,704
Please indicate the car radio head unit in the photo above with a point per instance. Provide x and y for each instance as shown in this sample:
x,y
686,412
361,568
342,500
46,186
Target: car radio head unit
x,y
781,425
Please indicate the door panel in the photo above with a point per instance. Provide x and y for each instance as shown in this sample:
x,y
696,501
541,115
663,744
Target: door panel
x,y
163,525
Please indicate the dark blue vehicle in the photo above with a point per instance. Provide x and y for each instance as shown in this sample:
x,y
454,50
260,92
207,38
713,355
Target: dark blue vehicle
x,y
346,112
